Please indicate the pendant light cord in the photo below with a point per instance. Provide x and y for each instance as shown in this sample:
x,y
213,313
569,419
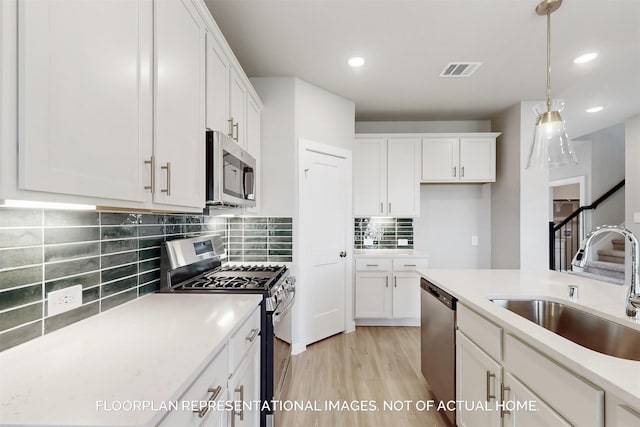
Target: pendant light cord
x,y
548,60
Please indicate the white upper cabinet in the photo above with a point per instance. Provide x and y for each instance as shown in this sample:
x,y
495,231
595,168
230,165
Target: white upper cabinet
x,y
179,104
459,158
117,117
403,172
386,176
369,177
253,146
238,109
85,97
217,84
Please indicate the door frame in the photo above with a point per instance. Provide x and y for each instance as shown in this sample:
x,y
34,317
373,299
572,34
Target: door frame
x,y
303,146
581,181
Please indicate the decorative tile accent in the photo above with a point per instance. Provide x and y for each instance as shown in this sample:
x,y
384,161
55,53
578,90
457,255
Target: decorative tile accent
x,y
383,232
114,256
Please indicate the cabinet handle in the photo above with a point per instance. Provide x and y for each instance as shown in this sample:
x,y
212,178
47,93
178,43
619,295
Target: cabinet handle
x,y
395,281
381,207
168,189
503,389
389,207
215,392
386,282
230,134
372,265
454,171
236,137
489,395
462,172
252,336
410,265
241,413
152,184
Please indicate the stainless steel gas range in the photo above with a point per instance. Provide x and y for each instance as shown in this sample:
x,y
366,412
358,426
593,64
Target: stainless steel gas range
x,y
195,265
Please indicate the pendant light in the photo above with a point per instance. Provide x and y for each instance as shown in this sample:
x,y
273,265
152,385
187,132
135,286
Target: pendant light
x,y
551,146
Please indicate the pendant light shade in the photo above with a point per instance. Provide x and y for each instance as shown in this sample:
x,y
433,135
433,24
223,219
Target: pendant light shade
x,y
551,146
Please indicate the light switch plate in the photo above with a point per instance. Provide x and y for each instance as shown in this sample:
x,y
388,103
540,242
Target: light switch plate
x,y
474,240
636,217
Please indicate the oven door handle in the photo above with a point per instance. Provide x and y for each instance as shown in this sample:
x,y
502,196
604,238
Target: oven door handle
x,y
279,314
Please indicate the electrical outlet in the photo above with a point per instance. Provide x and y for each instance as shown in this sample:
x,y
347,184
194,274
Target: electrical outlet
x,y
64,300
474,240
636,217
368,242
403,242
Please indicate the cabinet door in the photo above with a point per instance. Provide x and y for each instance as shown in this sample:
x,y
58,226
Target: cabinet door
x,y
179,104
237,108
373,295
370,177
403,177
244,387
516,395
253,145
217,83
478,379
406,295
85,97
477,159
440,159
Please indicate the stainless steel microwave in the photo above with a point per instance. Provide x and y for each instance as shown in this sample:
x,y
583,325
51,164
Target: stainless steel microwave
x,y
231,172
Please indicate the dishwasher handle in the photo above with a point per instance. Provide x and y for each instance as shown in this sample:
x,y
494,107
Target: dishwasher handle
x,y
442,296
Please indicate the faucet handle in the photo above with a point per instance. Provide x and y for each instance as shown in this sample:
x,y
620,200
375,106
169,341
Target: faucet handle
x,y
573,292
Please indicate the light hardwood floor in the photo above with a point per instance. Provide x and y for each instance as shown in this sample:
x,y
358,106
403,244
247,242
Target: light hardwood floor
x,y
373,364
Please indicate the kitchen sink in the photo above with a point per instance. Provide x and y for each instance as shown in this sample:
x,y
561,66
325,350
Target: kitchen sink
x,y
583,328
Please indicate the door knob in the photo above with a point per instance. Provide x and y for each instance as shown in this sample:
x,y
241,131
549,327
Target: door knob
x,y
343,254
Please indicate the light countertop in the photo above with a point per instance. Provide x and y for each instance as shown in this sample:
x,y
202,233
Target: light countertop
x,y
148,350
389,253
474,288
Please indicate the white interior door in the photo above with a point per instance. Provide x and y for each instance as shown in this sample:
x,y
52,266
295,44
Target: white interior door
x,y
323,242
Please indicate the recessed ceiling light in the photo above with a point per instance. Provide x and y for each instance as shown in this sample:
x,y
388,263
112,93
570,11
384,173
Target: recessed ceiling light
x,y
587,57
595,109
356,61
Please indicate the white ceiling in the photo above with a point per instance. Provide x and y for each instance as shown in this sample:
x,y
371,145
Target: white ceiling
x,y
407,43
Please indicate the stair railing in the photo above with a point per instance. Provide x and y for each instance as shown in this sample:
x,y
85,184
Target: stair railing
x,y
567,233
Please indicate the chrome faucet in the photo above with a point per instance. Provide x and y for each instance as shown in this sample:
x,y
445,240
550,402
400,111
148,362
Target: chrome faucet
x,y
633,294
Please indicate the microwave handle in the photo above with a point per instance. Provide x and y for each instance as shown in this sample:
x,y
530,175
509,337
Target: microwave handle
x,y
247,184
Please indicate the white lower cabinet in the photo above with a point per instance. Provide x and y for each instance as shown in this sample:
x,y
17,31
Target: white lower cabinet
x,y
478,380
524,387
388,288
244,390
198,405
522,408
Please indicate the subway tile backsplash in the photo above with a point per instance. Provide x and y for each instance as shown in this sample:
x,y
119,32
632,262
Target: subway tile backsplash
x,y
382,233
114,256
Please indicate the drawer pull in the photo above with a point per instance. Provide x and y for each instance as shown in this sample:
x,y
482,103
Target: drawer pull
x,y
503,389
489,395
252,336
215,392
410,265
372,265
241,412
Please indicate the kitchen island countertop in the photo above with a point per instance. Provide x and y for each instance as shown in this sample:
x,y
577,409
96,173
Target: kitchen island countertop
x,y
147,351
389,253
474,288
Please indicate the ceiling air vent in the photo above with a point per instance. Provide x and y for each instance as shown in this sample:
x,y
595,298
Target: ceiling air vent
x,y
460,69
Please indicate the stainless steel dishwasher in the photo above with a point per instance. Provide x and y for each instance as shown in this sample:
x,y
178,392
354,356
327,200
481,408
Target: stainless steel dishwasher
x,y
438,343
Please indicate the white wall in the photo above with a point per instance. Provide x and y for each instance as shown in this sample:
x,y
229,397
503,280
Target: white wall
x,y
277,192
505,192
534,200
632,174
424,126
323,117
449,216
